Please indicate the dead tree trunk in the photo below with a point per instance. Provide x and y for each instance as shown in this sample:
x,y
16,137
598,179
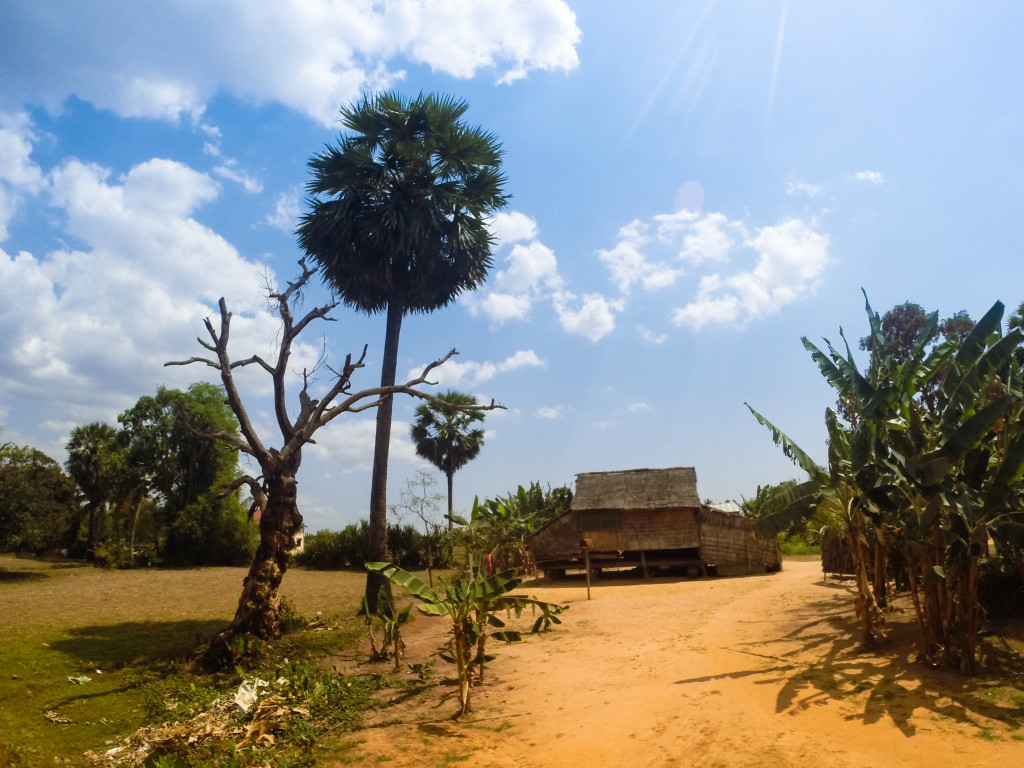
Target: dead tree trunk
x,y
274,491
259,607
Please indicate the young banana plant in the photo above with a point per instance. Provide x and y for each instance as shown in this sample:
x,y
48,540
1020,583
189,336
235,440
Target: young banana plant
x,y
471,604
392,621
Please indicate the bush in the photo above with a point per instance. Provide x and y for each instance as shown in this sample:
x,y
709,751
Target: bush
x,y
117,554
349,548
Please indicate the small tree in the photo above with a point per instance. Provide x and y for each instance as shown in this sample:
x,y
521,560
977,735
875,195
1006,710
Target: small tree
x,y
418,501
274,491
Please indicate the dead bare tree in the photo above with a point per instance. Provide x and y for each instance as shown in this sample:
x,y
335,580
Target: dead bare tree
x,y
274,491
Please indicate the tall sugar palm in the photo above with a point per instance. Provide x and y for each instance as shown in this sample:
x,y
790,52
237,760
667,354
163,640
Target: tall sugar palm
x,y
397,223
443,436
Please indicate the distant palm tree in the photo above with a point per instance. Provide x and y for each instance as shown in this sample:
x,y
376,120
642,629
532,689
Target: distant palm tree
x,y
92,464
442,436
397,221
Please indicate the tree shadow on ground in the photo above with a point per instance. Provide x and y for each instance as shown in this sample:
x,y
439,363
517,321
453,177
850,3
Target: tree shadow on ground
x,y
15,577
116,645
821,660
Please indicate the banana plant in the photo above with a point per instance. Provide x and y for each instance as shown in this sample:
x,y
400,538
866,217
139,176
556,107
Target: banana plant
x,y
392,621
929,482
472,605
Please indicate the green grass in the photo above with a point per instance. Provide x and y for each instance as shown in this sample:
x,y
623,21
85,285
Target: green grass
x,y
128,631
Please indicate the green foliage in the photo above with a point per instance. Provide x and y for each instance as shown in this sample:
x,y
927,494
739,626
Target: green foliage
x,y
928,472
391,621
38,502
500,527
95,463
183,472
149,493
349,548
472,605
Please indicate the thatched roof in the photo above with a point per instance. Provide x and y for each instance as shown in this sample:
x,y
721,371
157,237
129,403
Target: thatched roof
x,y
637,489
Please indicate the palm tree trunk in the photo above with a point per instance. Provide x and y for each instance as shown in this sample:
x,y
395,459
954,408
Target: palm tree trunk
x,y
450,474
382,441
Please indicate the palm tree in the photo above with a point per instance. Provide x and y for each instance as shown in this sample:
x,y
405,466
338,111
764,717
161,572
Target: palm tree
x,y
92,464
442,436
397,222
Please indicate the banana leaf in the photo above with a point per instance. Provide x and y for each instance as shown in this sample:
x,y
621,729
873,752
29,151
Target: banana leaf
x,y
406,580
791,449
1008,477
970,433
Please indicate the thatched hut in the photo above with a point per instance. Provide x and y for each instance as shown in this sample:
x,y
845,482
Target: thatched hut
x,y
649,519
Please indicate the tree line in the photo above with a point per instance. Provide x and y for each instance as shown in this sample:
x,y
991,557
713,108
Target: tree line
x,y
149,491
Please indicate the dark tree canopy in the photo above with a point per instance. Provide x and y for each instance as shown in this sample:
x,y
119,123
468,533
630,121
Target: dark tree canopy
x,y
398,210
902,328
38,502
184,472
903,324
94,463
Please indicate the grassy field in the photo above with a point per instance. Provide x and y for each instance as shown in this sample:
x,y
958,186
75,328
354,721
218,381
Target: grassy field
x,y
126,631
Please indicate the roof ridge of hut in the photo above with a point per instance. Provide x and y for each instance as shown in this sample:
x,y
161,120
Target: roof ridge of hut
x,y
637,489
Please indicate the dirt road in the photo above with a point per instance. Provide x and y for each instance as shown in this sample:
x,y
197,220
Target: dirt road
x,y
755,671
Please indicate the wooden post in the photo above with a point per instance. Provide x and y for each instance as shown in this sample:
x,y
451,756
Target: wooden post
x,y
585,546
643,562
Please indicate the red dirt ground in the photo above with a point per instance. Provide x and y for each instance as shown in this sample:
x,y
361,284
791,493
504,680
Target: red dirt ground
x,y
755,671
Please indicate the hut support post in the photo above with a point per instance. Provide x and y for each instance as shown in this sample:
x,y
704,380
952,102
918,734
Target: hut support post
x,y
585,546
643,563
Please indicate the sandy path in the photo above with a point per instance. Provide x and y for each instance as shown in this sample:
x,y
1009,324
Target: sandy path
x,y
726,672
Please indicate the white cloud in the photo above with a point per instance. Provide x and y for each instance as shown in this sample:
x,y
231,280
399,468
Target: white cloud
x,y
794,187
709,239
501,307
650,336
791,258
19,175
874,177
594,319
227,170
714,254
528,268
287,210
550,412
638,408
347,444
529,272
694,237
93,325
167,60
512,227
456,373
628,265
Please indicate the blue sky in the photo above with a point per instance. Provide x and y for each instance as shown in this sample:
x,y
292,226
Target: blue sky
x,y
695,185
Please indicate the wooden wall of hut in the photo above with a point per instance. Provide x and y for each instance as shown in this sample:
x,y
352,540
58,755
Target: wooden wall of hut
x,y
728,543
